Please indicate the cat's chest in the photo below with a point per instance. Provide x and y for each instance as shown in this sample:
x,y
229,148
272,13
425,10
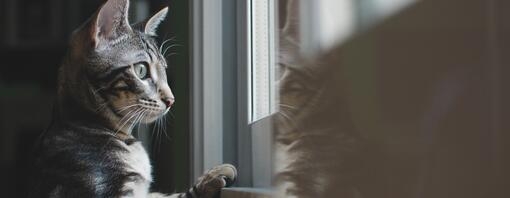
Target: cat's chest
x,y
137,160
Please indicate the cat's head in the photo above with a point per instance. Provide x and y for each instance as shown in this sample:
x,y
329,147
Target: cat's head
x,y
297,85
302,82
117,71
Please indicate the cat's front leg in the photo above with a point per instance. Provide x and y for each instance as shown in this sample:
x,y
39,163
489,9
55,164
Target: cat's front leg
x,y
208,185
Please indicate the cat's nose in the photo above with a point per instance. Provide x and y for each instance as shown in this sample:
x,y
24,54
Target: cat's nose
x,y
169,102
166,95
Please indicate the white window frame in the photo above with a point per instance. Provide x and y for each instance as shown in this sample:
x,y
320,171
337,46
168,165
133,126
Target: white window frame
x,y
212,20
207,130
262,29
260,128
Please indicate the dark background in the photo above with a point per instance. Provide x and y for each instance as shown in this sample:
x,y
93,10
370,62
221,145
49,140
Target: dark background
x,y
33,39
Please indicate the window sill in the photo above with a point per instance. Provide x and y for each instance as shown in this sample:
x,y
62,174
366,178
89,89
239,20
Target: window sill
x,y
245,193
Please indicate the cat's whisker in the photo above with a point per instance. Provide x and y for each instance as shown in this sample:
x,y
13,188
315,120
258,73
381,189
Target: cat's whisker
x,y
284,115
287,118
170,47
171,114
140,118
153,142
171,54
165,48
125,121
137,134
164,125
127,107
156,132
161,131
164,39
128,115
164,42
155,126
158,124
158,136
138,121
136,112
288,106
94,92
100,107
135,122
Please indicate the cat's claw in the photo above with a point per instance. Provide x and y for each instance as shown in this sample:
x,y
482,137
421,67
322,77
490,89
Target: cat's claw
x,y
213,180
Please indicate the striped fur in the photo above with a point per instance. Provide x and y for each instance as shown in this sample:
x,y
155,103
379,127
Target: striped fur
x,y
89,151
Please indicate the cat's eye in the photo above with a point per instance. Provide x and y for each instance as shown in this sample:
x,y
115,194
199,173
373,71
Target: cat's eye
x,y
141,70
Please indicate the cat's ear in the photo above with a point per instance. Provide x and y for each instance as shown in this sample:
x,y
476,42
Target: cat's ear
x,y
152,24
291,26
110,22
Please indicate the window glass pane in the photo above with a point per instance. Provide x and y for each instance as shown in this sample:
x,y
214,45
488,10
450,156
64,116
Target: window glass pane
x,y
262,68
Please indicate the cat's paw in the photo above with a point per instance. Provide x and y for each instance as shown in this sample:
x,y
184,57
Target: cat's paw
x,y
213,180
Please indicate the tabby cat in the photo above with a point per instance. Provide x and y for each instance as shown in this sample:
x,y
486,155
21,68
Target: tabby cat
x,y
316,145
112,78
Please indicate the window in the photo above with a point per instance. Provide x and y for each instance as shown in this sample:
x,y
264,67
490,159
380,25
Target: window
x,y
233,72
263,100
232,87
262,67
